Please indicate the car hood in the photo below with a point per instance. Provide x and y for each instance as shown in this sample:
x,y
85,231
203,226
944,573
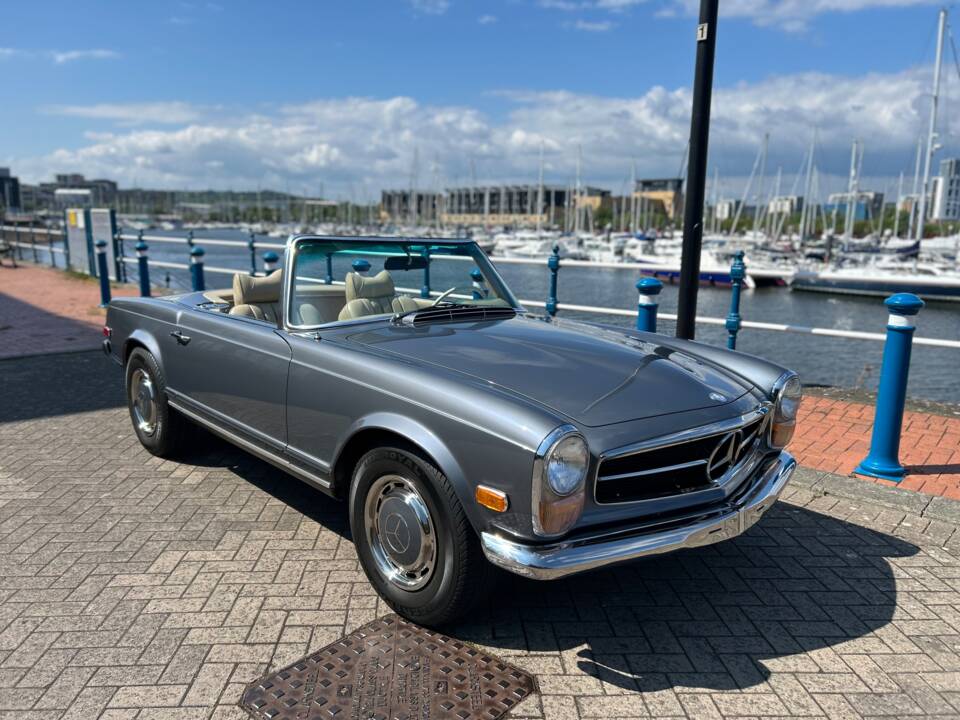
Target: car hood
x,y
592,375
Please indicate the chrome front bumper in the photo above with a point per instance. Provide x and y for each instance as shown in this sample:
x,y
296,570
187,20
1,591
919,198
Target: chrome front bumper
x,y
546,562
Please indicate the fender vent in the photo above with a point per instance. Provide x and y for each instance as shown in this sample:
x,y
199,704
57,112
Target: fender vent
x,y
457,313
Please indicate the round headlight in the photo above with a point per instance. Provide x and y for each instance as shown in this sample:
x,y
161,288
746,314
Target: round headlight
x,y
566,465
787,396
788,402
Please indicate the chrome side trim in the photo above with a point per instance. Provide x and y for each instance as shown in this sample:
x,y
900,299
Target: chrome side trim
x,y
262,453
547,562
190,405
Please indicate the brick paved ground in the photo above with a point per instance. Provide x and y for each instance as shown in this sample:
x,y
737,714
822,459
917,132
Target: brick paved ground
x,y
46,310
834,435
136,587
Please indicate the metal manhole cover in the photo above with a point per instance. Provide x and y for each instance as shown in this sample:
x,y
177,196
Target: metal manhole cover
x,y
391,669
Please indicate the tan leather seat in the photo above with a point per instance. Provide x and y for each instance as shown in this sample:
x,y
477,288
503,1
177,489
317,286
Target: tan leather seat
x,y
373,296
258,297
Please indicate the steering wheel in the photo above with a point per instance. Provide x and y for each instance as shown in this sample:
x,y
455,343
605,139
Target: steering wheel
x,y
443,296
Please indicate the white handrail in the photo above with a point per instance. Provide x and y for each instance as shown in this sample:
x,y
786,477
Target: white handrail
x,y
27,230
776,327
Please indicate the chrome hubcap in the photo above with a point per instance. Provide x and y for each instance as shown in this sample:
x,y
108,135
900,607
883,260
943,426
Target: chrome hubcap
x,y
143,400
400,532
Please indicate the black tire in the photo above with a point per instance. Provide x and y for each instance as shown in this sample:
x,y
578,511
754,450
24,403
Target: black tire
x,y
461,577
166,435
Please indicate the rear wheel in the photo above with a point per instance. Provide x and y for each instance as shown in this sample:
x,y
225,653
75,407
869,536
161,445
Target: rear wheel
x,y
413,539
159,427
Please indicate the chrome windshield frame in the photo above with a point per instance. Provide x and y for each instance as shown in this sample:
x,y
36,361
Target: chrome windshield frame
x,y
296,242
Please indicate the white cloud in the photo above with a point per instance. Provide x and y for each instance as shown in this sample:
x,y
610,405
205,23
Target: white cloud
x,y
354,142
571,5
431,7
66,56
487,19
149,113
592,26
790,15
8,52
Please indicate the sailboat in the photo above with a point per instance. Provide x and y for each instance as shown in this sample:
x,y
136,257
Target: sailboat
x,y
899,268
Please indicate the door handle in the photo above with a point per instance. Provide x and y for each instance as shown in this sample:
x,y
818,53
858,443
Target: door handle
x,y
180,337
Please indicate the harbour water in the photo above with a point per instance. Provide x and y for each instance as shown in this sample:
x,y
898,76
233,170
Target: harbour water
x,y
934,375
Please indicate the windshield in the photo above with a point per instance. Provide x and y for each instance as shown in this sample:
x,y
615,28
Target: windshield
x,y
336,280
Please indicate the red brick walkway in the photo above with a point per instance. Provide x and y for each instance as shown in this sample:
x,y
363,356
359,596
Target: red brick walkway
x,y
834,435
44,310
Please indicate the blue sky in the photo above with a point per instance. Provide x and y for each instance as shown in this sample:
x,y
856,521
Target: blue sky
x,y
346,93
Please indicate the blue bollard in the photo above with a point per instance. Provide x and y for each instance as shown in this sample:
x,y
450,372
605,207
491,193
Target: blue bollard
x,y
190,239
360,266
425,290
270,260
329,278
883,460
738,271
196,268
553,264
144,267
102,273
252,245
648,289
479,285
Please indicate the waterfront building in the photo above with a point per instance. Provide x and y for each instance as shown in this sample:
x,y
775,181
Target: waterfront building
x,y
405,206
946,191
727,209
515,205
9,191
868,205
101,192
665,194
785,204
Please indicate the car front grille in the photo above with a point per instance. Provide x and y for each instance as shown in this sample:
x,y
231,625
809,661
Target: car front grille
x,y
677,468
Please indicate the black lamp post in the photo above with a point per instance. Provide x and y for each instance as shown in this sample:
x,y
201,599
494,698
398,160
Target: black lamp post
x,y
697,170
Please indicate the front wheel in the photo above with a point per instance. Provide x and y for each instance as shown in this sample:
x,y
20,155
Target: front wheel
x,y
413,539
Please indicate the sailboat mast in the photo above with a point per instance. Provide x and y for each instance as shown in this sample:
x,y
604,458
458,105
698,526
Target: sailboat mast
x,y
763,171
932,130
807,192
850,209
716,199
896,209
576,219
916,189
540,193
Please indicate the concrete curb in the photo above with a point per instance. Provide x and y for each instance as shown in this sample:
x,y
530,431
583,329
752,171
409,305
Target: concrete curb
x,y
930,507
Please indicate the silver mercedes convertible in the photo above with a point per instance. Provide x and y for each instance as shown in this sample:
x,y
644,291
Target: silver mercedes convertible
x,y
465,431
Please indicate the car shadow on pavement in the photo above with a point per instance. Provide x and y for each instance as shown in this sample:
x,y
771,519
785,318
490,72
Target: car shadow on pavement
x,y
58,384
722,617
206,450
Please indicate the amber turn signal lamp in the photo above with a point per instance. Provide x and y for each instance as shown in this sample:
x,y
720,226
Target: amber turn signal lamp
x,y
496,500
